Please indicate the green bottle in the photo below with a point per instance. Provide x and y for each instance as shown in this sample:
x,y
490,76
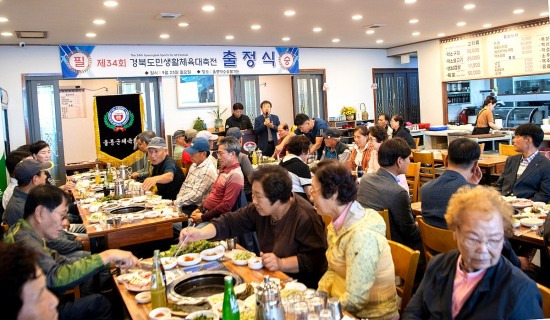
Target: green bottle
x,y
158,289
230,309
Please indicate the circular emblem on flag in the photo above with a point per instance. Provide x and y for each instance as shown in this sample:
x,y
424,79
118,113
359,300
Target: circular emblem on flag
x,y
118,118
249,146
286,60
79,61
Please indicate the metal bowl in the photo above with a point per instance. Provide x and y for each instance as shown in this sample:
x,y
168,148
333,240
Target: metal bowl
x,y
201,284
133,209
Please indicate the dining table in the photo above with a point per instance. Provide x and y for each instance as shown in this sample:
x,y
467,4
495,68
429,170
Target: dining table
x,y
490,163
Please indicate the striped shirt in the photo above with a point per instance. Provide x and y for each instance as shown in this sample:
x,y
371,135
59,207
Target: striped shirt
x,y
525,162
198,183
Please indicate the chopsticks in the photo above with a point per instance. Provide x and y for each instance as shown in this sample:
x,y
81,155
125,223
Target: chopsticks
x,y
189,224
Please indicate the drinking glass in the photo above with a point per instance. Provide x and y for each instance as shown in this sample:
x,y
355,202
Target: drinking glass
x,y
300,310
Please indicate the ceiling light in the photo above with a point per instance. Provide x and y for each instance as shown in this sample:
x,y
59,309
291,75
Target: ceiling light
x,y
110,4
290,13
519,11
208,8
255,27
487,25
416,34
410,1
469,6
99,21
379,41
3,19
183,24
544,14
229,37
285,39
317,29
413,21
441,34
165,36
90,35
357,17
461,24
369,32
335,40
6,34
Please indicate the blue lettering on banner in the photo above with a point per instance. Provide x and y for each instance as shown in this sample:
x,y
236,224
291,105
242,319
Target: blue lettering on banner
x,y
250,58
230,59
269,59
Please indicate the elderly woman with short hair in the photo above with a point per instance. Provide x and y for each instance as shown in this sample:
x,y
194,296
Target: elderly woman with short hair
x,y
476,282
360,266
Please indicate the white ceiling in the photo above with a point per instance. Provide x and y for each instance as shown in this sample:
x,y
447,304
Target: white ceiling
x,y
134,22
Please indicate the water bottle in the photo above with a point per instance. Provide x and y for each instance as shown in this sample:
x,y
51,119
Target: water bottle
x,y
230,308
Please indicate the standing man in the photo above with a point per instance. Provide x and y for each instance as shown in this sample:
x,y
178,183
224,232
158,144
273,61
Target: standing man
x,y
526,175
142,140
238,119
313,129
265,126
384,122
179,143
166,174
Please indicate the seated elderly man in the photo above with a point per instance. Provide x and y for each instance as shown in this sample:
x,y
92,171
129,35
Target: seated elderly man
x,y
291,234
475,282
200,178
244,162
141,142
227,186
283,130
166,174
334,148
12,160
24,294
45,210
31,173
526,175
179,143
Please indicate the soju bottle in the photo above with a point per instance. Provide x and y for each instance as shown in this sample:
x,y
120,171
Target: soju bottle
x,y
158,288
230,309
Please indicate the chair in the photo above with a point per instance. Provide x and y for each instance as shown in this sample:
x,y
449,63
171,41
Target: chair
x,y
482,147
413,180
386,216
506,150
326,220
416,142
435,240
5,227
74,291
545,293
427,166
445,161
405,261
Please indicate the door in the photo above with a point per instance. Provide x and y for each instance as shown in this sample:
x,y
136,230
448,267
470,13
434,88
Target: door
x,y
246,90
45,120
397,92
308,95
148,88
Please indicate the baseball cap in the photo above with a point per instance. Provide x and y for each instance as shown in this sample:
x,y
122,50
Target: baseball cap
x,y
198,145
178,133
157,143
234,132
190,134
28,168
207,135
332,133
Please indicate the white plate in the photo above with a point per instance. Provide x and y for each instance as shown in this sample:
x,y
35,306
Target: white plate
x,y
151,214
207,313
516,223
168,263
139,199
218,251
241,262
255,263
143,297
532,222
521,203
124,277
196,259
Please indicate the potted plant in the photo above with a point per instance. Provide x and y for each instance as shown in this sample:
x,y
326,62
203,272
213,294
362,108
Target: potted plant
x,y
349,112
218,120
198,124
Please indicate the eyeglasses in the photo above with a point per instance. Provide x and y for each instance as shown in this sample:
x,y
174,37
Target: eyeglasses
x,y
475,243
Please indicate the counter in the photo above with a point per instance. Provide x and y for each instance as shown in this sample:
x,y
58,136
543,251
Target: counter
x,y
440,139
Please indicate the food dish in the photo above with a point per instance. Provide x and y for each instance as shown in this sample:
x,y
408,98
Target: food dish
x,y
203,315
532,222
518,203
151,214
255,263
160,313
168,263
212,254
189,259
139,282
240,257
143,297
95,217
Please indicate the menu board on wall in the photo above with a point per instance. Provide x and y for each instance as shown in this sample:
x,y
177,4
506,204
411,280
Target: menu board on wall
x,y
72,103
519,51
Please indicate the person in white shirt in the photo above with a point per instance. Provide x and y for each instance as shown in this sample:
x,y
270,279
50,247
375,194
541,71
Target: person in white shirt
x,y
12,160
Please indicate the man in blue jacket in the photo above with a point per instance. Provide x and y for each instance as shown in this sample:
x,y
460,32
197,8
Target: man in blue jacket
x,y
265,127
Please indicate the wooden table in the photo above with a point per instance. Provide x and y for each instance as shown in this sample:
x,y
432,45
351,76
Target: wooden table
x,y
85,165
141,311
491,163
127,234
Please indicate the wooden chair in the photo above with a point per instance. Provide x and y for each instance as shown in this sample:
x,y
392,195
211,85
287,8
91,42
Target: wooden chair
x,y
445,161
405,261
386,216
416,142
545,293
482,147
506,150
427,166
327,220
435,239
413,180
74,291
5,227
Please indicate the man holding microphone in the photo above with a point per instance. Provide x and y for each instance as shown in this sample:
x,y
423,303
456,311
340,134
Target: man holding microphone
x,y
265,126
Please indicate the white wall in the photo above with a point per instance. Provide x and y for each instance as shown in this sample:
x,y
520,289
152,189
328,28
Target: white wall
x,y
429,79
79,133
278,90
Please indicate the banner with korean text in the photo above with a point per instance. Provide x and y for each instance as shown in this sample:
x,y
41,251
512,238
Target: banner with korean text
x,y
118,119
139,61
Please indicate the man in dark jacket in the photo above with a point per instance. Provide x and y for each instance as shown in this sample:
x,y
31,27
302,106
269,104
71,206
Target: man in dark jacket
x,y
238,119
265,127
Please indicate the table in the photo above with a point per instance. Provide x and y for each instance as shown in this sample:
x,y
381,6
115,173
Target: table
x,y
491,163
87,165
439,139
141,311
127,234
